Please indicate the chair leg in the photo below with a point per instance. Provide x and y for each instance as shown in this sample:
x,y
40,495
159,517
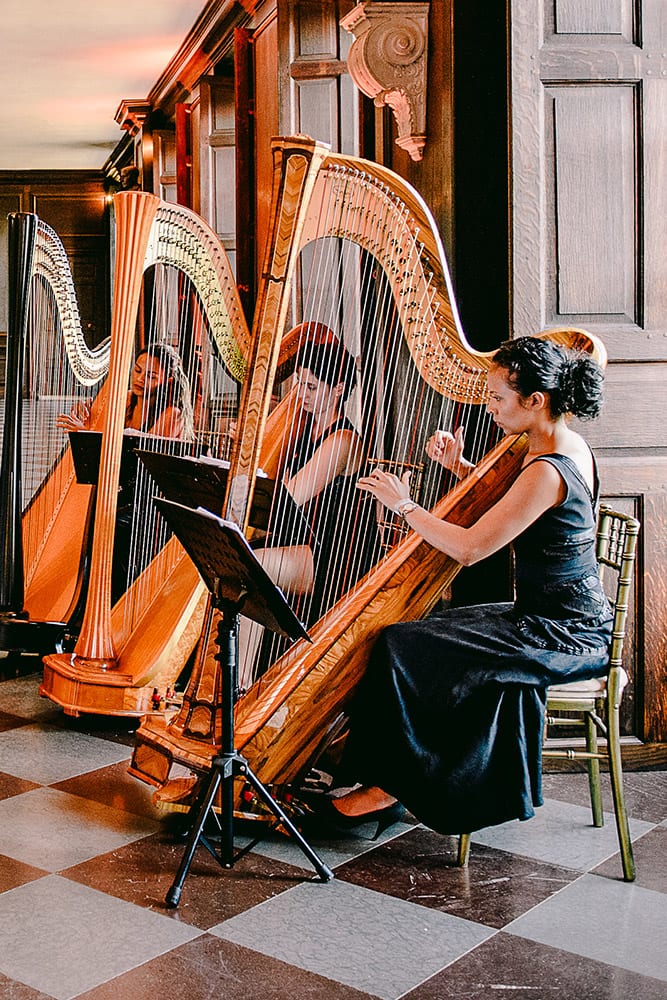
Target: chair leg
x,y
616,775
464,850
593,765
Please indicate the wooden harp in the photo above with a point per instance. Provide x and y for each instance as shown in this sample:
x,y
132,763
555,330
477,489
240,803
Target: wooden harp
x,y
353,248
174,294
45,513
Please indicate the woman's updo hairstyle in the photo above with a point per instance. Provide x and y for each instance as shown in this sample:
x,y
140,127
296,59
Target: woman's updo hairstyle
x,y
329,361
572,380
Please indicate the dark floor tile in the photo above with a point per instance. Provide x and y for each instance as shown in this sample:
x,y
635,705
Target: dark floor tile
x,y
11,785
11,990
11,721
512,966
645,792
143,872
209,967
420,867
113,786
14,873
650,853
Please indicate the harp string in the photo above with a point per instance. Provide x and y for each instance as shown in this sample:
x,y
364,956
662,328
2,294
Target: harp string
x,y
61,372
369,280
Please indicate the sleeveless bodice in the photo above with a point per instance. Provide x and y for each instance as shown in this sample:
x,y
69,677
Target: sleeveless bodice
x,y
556,567
307,444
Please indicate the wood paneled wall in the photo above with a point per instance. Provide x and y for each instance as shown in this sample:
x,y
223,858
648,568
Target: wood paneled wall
x,y
589,172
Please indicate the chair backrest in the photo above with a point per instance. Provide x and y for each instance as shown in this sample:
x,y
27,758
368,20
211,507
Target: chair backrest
x,y
616,550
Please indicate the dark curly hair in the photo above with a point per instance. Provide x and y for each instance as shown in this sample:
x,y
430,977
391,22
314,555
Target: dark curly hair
x,y
572,380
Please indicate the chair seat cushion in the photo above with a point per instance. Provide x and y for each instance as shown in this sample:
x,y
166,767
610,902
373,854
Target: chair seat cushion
x,y
595,686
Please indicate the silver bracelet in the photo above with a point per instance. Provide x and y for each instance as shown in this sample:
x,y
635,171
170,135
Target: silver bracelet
x,y
405,507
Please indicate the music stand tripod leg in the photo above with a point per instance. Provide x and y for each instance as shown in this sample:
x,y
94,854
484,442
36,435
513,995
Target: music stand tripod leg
x,y
226,766
202,807
322,870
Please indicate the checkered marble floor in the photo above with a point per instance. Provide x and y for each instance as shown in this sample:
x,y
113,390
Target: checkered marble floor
x,y
86,861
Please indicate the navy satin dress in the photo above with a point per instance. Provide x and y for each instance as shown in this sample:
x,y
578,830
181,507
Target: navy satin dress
x,y
449,716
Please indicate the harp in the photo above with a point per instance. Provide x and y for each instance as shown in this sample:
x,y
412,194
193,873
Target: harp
x,y
174,294
45,512
354,250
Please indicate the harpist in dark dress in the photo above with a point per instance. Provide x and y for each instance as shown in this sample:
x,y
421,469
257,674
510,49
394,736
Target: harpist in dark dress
x,y
451,710
448,719
338,504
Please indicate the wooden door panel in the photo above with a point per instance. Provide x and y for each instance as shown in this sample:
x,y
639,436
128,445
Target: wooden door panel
x,y
595,220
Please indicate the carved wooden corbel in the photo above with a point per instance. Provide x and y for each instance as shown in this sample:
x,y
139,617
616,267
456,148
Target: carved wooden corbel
x,y
131,115
387,61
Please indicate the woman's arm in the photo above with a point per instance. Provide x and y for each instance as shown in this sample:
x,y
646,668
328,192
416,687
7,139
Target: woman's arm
x,y
538,487
169,424
337,455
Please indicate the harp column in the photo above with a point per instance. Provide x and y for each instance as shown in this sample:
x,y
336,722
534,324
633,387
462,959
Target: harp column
x,y
135,212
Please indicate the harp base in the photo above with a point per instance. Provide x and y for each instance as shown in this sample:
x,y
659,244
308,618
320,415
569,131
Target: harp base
x,y
158,746
91,687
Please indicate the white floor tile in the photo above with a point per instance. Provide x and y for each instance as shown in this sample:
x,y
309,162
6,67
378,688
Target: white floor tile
x,y
561,833
45,754
364,939
614,922
78,937
54,830
331,852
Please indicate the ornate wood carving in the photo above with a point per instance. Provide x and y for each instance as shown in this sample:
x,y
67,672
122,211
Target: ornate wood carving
x,y
387,61
131,115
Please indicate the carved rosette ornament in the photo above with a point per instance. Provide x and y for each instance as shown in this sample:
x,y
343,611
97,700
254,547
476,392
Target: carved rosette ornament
x,y
387,61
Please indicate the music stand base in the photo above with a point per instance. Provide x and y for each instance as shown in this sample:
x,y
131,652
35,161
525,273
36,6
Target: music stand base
x,y
223,771
225,767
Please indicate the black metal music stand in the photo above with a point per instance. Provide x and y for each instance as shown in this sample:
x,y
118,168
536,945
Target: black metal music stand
x,y
202,482
238,585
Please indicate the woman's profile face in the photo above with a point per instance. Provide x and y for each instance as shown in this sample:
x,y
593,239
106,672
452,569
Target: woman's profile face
x,y
505,404
147,376
316,395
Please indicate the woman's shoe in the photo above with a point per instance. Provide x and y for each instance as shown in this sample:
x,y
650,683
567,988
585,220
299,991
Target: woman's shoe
x,y
331,821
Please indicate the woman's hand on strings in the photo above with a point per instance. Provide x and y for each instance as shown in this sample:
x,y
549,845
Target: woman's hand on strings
x,y
386,487
447,449
78,418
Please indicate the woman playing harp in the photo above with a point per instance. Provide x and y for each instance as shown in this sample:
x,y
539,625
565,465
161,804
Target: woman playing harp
x,y
317,473
450,714
159,405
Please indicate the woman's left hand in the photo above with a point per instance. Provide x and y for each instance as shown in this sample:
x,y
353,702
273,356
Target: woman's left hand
x,y
386,487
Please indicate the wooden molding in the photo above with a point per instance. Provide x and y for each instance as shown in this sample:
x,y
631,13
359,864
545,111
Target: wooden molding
x,y
388,63
131,115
